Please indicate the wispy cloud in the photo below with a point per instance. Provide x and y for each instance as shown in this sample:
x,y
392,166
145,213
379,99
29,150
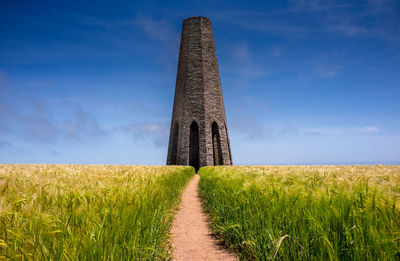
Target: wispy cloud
x,y
244,65
371,19
322,66
3,77
379,6
156,132
348,29
163,32
37,123
339,131
327,70
4,143
378,2
253,128
272,27
370,129
98,22
313,6
157,29
276,51
81,125
259,21
241,52
249,125
329,16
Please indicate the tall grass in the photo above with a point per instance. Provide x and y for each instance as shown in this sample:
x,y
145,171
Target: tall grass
x,y
305,212
75,212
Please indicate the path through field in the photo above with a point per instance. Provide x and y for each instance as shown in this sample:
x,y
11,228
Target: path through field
x,y
191,238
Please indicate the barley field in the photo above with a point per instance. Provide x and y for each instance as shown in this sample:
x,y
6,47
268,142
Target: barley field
x,y
305,212
75,212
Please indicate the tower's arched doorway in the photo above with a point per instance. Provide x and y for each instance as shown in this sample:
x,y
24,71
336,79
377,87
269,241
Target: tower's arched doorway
x,y
194,155
216,141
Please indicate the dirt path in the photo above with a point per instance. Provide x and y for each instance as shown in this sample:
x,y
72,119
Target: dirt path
x,y
191,238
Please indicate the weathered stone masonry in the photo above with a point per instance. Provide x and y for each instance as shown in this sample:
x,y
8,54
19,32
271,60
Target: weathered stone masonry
x,y
199,134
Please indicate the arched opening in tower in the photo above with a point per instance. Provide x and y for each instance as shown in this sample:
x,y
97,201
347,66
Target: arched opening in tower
x,y
194,155
174,149
216,141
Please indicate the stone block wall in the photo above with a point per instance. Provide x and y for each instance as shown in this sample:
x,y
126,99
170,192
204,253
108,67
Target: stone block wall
x,y
198,98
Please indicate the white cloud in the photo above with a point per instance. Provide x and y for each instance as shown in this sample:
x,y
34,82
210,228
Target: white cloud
x,y
158,30
310,5
327,70
163,32
378,2
245,65
3,77
38,122
276,51
157,132
370,129
241,51
349,29
339,131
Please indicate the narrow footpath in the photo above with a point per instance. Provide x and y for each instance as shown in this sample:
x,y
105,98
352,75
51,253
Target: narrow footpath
x,y
191,238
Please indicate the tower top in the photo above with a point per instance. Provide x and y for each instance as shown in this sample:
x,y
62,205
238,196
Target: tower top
x,y
196,18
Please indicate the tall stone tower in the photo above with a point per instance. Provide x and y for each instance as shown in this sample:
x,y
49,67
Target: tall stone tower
x,y
199,134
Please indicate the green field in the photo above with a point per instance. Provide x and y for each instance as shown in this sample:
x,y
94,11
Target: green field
x,y
305,212
75,212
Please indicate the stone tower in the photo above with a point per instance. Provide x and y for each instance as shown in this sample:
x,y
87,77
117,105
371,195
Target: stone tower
x,y
199,133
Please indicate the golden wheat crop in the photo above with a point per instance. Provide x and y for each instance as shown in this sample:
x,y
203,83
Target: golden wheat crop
x,y
305,212
99,212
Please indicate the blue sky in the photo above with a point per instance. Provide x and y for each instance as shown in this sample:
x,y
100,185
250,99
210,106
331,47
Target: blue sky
x,y
303,81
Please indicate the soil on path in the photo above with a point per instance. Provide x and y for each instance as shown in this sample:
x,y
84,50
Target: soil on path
x,y
191,238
